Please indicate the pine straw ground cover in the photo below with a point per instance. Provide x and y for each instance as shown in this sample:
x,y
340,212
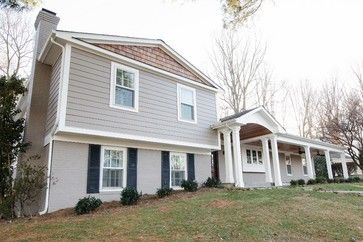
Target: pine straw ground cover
x,y
288,214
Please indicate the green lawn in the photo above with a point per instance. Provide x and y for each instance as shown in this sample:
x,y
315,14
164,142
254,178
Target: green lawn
x,y
339,186
288,214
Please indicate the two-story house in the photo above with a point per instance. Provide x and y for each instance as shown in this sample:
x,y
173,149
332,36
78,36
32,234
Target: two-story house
x,y
106,112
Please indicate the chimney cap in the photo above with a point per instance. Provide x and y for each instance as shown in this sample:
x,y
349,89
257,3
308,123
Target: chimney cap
x,y
48,11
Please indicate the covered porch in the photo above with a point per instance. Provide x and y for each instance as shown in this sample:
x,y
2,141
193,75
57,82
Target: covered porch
x,y
257,152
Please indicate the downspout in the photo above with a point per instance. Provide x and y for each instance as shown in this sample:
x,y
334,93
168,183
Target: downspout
x,y
50,152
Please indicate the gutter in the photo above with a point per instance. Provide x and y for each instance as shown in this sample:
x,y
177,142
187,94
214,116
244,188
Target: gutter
x,y
50,152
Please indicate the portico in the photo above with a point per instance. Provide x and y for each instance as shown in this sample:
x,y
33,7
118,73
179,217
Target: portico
x,y
257,151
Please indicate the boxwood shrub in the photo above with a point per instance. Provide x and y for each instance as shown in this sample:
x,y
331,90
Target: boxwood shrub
x,y
189,186
301,182
311,182
163,192
129,196
87,205
293,183
212,182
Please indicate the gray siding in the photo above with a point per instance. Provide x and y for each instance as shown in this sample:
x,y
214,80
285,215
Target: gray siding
x,y
69,169
149,165
53,95
203,168
89,97
296,167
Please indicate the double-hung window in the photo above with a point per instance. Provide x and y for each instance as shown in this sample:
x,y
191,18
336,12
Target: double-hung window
x,y
254,157
124,87
178,169
187,109
288,165
113,167
304,166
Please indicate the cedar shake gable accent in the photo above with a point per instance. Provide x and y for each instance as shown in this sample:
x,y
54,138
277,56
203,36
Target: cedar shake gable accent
x,y
153,56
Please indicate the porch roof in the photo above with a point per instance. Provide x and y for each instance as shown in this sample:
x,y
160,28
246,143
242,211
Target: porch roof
x,y
261,117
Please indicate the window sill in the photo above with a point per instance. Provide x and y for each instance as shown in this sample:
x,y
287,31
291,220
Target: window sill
x,y
187,121
124,108
177,188
111,190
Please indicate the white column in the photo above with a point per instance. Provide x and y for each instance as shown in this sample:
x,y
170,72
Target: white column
x,y
228,155
328,164
266,160
309,162
276,161
237,156
344,165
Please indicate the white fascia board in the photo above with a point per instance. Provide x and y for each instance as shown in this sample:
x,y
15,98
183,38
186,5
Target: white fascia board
x,y
43,53
264,111
97,38
297,140
119,58
75,130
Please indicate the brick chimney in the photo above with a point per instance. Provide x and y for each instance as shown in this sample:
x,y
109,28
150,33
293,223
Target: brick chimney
x,y
45,22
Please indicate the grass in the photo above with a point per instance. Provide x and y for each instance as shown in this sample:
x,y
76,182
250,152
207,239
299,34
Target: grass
x,y
289,214
339,186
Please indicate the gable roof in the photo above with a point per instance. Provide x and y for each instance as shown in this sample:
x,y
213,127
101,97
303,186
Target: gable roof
x,y
258,115
237,115
176,64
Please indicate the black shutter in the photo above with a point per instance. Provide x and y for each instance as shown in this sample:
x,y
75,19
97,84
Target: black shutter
x,y
165,169
93,174
190,167
132,167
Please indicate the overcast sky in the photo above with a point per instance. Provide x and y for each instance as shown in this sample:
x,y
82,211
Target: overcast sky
x,y
306,39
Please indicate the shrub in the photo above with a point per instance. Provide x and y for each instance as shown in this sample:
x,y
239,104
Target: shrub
x,y
320,180
293,183
330,180
129,196
6,208
189,186
311,182
212,182
163,192
356,179
338,180
301,182
87,204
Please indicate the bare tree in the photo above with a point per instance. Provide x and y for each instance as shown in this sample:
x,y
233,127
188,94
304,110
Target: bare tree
x,y
303,102
236,65
266,89
341,119
237,12
15,43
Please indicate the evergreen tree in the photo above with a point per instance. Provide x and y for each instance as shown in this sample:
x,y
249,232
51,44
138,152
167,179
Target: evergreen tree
x,y
11,130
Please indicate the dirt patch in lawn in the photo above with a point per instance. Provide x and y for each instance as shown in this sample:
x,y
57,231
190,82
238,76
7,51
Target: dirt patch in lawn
x,y
220,203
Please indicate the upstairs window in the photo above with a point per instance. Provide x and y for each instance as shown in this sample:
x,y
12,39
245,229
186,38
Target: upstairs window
x,y
186,104
124,87
288,165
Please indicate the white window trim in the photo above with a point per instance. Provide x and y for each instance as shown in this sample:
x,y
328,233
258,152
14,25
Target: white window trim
x,y
103,148
114,67
179,87
288,155
247,167
302,166
186,169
